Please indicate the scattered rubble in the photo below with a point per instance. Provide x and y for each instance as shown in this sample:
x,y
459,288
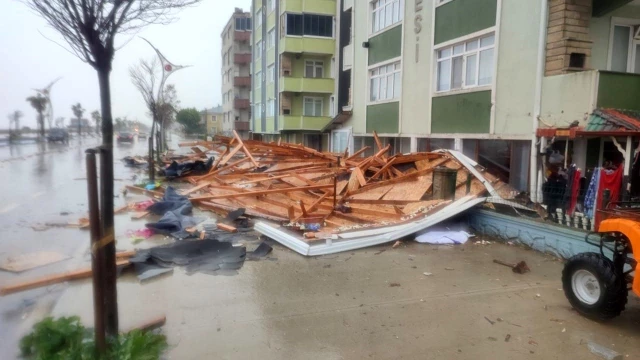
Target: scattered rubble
x,y
519,268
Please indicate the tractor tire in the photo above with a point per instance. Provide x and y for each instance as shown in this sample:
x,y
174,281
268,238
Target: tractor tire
x,y
592,287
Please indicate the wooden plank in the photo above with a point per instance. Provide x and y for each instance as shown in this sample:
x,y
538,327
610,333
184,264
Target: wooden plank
x,y
144,191
360,176
263,192
227,228
246,151
195,188
52,279
378,202
139,215
357,153
228,167
30,261
412,191
121,209
353,183
231,154
374,194
383,169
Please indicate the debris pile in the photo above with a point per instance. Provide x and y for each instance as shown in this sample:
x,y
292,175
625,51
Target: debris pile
x,y
320,203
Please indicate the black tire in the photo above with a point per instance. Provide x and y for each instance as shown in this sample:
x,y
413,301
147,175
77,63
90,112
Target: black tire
x,y
613,289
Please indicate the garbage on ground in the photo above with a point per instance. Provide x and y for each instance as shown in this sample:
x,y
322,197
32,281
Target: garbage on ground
x,y
205,256
519,268
140,234
135,161
175,169
603,352
443,237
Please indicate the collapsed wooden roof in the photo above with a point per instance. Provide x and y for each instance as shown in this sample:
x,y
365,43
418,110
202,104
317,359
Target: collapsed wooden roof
x,y
299,187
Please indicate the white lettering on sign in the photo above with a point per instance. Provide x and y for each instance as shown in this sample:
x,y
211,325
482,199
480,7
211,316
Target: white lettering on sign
x,y
417,23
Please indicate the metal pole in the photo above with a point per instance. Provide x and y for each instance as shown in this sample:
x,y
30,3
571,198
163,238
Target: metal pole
x,y
97,253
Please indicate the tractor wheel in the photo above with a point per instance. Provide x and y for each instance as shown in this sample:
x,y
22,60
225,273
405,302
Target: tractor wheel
x,y
593,288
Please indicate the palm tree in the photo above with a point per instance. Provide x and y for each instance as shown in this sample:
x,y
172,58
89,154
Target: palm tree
x,y
97,118
39,103
14,123
78,111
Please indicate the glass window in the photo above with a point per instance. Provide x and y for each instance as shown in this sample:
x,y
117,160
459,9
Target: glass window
x,y
313,106
466,65
259,18
271,38
271,73
385,82
309,24
385,13
620,49
314,69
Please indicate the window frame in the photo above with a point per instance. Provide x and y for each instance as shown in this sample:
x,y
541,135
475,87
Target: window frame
x,y
374,73
316,64
271,108
271,73
259,18
464,55
259,78
271,38
378,6
302,25
313,99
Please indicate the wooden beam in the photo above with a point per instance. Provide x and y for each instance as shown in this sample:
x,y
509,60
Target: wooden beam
x,y
228,167
263,192
383,169
378,202
231,154
195,188
246,151
52,279
227,228
357,153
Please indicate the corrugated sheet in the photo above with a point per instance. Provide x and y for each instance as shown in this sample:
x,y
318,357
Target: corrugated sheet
x,y
613,120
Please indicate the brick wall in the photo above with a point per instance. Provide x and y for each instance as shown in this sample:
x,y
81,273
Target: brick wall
x,y
568,33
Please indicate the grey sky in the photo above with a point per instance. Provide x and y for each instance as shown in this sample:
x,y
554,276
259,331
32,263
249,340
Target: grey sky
x,y
31,61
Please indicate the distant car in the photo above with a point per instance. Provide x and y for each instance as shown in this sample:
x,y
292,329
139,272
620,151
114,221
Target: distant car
x,y
58,135
142,135
125,137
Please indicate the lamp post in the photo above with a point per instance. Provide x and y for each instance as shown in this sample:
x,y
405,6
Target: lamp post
x,y
168,68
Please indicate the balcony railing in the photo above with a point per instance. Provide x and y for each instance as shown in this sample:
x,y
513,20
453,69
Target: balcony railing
x,y
240,104
242,59
244,81
241,125
242,35
312,85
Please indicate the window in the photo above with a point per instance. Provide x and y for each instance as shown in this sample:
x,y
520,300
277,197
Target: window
x,y
271,5
385,82
259,18
313,106
309,25
271,73
258,79
271,38
625,49
386,13
466,65
258,49
243,24
271,107
313,69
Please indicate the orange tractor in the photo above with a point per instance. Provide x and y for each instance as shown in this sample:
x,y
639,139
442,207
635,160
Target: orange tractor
x,y
597,283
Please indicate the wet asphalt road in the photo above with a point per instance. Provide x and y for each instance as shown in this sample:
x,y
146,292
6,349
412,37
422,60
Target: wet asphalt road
x,y
44,183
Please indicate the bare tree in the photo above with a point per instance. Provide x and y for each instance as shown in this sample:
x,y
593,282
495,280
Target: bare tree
x,y
39,103
89,28
144,77
78,111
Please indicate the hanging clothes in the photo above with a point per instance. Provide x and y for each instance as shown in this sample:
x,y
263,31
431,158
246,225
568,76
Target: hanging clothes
x,y
566,198
553,192
591,197
575,189
609,180
634,177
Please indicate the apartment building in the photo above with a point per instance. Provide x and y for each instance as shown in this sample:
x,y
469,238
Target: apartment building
x,y
213,120
484,77
236,74
294,65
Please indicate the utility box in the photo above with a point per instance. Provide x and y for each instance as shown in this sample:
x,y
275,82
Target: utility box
x,y
444,183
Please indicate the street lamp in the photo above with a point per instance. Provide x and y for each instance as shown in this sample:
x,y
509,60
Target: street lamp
x,y
168,68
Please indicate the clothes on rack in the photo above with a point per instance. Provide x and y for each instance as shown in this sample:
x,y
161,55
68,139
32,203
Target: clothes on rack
x,y
553,192
591,198
575,189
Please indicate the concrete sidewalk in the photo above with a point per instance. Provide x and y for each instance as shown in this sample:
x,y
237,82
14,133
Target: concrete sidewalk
x,y
371,303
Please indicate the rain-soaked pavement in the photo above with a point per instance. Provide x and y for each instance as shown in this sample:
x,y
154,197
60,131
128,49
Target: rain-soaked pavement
x,y
44,183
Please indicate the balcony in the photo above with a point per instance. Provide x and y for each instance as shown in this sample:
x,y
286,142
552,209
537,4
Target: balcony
x,y
299,122
570,97
310,45
241,126
240,104
311,85
324,7
242,36
243,81
242,59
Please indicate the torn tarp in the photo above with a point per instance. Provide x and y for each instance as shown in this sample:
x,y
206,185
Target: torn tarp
x,y
176,169
207,256
174,223
170,202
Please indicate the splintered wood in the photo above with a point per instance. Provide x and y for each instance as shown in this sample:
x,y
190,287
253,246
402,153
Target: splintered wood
x,y
324,193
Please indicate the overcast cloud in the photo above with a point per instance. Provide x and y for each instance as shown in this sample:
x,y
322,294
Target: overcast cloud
x,y
31,61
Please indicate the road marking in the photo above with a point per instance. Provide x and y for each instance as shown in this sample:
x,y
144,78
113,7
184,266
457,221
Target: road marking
x,y
37,195
8,208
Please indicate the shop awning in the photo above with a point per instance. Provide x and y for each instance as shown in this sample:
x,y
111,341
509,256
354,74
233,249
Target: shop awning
x,y
602,122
